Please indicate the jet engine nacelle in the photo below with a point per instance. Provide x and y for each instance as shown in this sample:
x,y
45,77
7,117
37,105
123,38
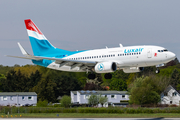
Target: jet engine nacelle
x,y
133,69
105,67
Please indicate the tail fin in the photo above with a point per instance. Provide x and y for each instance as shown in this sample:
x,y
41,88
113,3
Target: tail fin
x,y
40,45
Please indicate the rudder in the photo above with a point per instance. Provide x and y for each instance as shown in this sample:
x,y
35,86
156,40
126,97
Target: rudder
x,y
40,45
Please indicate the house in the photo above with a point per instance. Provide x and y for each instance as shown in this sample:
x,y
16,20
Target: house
x,y
170,96
115,98
18,98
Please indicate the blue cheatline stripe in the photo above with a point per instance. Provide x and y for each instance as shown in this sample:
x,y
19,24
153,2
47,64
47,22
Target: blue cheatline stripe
x,y
45,49
43,63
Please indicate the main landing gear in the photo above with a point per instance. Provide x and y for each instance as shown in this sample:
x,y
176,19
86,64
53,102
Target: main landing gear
x,y
108,76
93,76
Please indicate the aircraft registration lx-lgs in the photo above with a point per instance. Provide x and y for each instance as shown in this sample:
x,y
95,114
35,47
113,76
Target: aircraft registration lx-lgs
x,y
131,59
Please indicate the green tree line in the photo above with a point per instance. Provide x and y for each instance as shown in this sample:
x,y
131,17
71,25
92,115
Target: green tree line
x,y
144,87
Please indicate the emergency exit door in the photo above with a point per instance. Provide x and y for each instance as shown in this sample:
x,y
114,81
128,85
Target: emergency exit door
x,y
149,53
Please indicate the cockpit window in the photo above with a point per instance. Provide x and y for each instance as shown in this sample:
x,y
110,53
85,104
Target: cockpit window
x,y
165,50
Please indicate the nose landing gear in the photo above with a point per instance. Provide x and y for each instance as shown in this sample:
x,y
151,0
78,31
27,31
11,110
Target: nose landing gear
x,y
157,71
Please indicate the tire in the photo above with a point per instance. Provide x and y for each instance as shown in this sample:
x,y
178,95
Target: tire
x,y
108,76
91,76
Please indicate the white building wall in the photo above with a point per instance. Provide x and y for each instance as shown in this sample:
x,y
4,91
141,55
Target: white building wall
x,y
73,97
78,97
15,100
170,98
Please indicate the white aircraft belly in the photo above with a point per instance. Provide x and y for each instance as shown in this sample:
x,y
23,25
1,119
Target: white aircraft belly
x,y
64,68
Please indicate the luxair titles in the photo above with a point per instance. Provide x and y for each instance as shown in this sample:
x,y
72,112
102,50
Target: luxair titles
x,y
133,50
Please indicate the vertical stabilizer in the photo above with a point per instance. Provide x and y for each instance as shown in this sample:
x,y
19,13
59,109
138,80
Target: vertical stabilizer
x,y
40,45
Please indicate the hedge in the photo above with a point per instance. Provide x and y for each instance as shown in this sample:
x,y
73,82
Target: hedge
x,y
116,110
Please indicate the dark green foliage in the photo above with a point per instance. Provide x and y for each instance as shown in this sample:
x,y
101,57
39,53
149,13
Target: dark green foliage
x,y
118,84
175,78
5,69
50,84
45,90
144,91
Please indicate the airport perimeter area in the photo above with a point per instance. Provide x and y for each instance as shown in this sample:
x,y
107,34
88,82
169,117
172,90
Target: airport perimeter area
x,y
90,115
47,112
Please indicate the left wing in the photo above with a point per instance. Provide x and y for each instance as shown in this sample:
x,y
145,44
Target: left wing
x,y
62,62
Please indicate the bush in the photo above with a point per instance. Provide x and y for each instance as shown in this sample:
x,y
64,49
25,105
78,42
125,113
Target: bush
x,y
42,103
65,101
57,105
173,105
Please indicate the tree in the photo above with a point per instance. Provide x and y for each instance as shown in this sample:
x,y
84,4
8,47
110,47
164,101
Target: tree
x,y
2,76
45,90
14,82
103,100
65,101
118,84
34,78
42,103
175,78
91,86
144,91
27,69
93,100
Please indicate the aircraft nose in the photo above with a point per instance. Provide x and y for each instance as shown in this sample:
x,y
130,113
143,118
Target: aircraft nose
x,y
172,55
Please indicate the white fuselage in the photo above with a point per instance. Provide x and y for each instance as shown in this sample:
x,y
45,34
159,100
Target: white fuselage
x,y
132,56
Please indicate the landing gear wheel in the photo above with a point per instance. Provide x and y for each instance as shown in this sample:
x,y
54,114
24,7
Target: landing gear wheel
x,y
108,76
157,71
91,76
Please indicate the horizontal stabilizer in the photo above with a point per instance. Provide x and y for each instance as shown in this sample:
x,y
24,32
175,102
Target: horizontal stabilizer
x,y
22,50
28,57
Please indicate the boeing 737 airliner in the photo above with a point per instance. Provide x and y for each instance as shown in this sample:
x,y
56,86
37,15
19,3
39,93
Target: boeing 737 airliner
x,y
130,59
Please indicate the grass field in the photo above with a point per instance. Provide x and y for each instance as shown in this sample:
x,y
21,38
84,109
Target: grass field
x,y
91,115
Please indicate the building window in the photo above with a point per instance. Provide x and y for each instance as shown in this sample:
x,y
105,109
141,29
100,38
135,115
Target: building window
x,y
4,98
112,96
165,94
174,94
11,98
87,96
170,102
123,96
29,98
23,98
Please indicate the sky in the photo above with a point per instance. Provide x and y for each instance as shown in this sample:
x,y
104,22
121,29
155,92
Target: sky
x,y
89,24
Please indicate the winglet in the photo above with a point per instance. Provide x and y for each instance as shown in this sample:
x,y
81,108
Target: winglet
x,y
22,50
